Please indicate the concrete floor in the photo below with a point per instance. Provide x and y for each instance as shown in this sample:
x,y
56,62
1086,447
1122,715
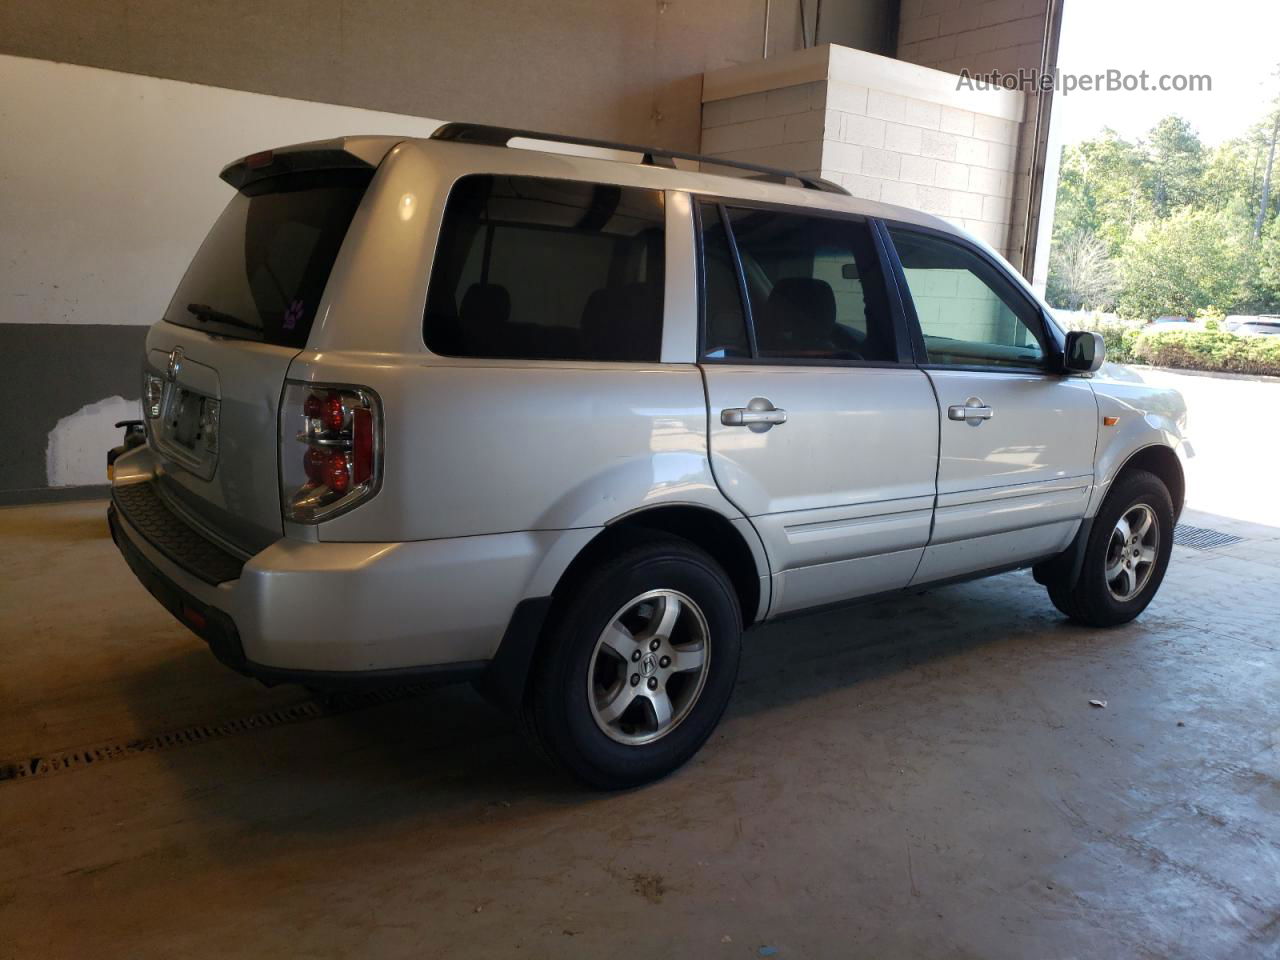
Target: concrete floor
x,y
921,777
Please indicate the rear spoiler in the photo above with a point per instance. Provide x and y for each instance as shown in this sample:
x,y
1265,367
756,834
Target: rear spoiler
x,y
347,153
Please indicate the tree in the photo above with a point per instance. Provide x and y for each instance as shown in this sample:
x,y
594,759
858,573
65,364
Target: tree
x,y
1184,263
1081,274
1230,177
1264,201
1268,279
1102,190
1184,226
1175,165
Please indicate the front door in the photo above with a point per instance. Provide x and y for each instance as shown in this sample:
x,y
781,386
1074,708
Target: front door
x,y
821,429
1017,439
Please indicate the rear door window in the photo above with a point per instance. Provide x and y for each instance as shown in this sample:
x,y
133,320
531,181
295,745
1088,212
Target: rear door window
x,y
261,271
541,269
814,288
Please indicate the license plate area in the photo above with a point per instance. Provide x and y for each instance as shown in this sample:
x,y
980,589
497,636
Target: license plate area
x,y
186,418
189,430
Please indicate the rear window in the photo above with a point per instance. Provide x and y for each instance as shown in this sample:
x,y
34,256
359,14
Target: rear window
x,y
262,269
539,269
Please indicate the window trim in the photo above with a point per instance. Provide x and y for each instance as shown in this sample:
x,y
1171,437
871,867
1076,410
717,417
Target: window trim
x,y
1046,333
576,362
899,328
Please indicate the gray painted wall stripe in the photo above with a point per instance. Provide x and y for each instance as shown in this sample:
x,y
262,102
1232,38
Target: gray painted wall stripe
x,y
51,371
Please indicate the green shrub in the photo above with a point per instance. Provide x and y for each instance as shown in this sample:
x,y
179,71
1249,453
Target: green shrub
x,y
1214,350
1120,341
1116,334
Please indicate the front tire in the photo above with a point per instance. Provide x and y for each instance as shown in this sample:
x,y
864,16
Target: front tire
x,y
1126,555
638,665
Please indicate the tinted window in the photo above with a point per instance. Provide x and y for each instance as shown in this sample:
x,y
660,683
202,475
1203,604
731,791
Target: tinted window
x,y
549,270
262,269
969,313
726,325
814,286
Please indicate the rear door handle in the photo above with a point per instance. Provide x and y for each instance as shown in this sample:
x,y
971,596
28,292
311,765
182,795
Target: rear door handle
x,y
971,409
757,416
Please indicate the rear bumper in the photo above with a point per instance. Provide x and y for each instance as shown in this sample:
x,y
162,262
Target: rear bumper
x,y
334,615
216,628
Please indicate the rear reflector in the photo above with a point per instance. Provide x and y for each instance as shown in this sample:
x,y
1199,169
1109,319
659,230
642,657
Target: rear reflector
x,y
194,617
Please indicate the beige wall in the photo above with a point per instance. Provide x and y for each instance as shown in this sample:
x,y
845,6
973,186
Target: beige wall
x,y
111,186
953,35
116,182
1003,35
616,69
884,129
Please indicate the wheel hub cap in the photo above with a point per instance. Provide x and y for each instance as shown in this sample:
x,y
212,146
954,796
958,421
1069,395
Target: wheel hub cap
x,y
648,667
1132,552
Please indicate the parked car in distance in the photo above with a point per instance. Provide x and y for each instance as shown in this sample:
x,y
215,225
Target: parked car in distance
x,y
565,426
1263,326
1172,323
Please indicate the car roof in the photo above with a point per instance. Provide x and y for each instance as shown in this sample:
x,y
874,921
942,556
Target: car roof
x,y
550,158
610,169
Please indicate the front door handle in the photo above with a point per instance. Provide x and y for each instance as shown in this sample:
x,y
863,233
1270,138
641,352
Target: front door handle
x,y
972,410
757,416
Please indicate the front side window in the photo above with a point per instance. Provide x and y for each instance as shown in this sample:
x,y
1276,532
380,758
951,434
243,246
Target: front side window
x,y
814,288
537,269
969,314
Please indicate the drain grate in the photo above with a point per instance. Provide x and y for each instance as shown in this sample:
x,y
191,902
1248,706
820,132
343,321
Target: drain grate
x,y
1202,538
82,758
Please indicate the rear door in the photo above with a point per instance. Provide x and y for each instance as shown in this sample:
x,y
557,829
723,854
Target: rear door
x,y
1017,437
215,367
822,430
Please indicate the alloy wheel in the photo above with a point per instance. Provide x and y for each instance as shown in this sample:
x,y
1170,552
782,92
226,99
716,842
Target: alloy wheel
x,y
1132,552
648,667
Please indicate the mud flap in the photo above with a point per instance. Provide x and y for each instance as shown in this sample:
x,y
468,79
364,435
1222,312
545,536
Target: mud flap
x,y
1065,567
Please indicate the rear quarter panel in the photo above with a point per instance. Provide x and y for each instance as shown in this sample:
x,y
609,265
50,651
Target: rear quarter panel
x,y
476,447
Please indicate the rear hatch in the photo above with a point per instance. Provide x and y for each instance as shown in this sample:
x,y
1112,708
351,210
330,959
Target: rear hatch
x,y
216,366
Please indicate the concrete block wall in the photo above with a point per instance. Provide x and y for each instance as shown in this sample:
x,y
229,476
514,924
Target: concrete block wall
x,y
955,303
885,130
995,35
955,35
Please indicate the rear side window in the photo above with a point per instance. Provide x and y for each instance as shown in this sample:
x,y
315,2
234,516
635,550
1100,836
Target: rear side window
x,y
814,287
537,269
262,269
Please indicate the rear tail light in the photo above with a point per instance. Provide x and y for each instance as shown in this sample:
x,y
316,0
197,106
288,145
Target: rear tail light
x,y
329,446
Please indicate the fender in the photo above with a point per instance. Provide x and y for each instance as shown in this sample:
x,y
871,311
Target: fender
x,y
1145,416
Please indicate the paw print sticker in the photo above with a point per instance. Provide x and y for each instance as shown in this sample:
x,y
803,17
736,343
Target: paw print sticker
x,y
292,315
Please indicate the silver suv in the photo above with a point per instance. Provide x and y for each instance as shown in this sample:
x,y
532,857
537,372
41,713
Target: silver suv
x,y
565,426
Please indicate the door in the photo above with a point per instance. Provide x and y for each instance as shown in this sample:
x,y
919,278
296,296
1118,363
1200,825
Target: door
x,y
821,429
1017,438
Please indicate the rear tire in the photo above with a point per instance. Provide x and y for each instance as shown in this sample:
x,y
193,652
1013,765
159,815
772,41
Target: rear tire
x,y
637,666
1126,555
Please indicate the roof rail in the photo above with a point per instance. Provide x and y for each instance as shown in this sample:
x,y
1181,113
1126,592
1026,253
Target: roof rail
x,y
652,156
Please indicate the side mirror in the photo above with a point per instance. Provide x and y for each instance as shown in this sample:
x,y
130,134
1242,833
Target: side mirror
x,y
1084,352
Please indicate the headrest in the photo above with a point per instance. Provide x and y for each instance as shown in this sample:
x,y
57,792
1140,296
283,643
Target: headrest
x,y
486,301
799,309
